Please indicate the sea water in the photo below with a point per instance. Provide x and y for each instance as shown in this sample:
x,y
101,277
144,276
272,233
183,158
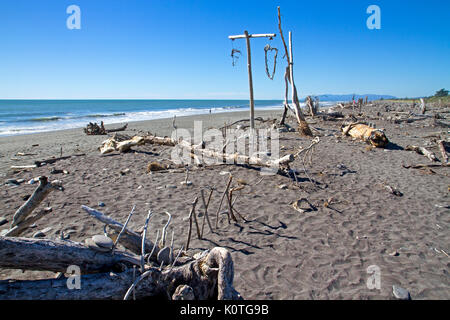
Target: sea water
x,y
31,116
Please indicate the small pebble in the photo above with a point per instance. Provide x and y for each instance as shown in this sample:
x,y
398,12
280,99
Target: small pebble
x,y
39,234
394,253
188,183
91,244
103,241
282,186
101,204
400,293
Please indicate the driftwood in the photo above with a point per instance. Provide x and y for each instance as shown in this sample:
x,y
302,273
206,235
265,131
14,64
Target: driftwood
x,y
375,137
423,107
442,149
303,125
36,198
123,128
112,144
236,158
57,255
312,107
129,239
421,150
21,227
210,277
95,129
41,163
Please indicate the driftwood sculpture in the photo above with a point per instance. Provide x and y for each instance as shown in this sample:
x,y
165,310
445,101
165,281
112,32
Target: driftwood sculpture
x,y
375,137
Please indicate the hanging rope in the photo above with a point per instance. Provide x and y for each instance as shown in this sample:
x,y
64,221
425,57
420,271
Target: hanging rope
x,y
268,48
235,53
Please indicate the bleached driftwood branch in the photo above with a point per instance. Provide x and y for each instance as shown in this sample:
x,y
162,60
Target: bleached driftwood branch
x,y
129,239
39,194
57,255
421,150
441,144
236,158
21,227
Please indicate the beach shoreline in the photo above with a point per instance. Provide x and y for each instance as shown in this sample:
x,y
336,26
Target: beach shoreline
x,y
74,141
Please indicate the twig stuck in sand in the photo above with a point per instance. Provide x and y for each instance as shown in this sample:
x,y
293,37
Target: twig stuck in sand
x,y
190,223
205,205
163,236
144,234
124,227
225,192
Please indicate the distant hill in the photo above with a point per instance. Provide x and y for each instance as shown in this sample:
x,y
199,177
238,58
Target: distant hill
x,y
348,97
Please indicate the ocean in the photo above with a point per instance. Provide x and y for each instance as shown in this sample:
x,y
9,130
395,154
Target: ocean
x,y
32,116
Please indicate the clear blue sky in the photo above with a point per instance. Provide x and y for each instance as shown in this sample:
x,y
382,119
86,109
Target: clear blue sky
x,y
179,49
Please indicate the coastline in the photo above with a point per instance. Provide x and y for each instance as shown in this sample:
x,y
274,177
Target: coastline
x,y
75,141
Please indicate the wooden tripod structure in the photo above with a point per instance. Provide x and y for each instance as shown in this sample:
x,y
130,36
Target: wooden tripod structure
x,y
249,66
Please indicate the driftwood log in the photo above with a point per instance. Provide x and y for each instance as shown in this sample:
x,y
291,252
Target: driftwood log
x,y
129,239
58,255
44,188
210,277
111,144
22,226
375,137
421,150
236,158
442,149
95,129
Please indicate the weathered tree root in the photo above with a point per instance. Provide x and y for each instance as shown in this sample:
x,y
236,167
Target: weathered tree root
x,y
210,277
375,137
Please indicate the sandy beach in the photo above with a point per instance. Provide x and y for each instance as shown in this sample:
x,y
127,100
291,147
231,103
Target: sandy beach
x,y
353,222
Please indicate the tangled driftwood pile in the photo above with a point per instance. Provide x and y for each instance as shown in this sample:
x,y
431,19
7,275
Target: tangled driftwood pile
x,y
147,269
95,129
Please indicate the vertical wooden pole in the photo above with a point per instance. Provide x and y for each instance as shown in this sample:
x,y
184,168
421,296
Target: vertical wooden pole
x,y
291,76
250,82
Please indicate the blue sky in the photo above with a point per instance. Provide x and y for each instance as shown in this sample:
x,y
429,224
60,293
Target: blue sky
x,y
179,49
